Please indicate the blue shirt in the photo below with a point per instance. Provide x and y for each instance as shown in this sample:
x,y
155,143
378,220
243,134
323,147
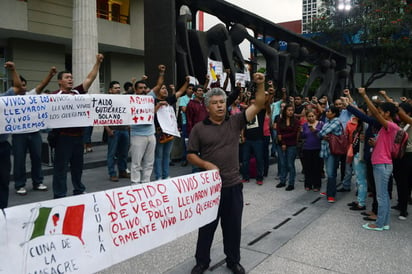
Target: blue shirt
x,y
275,109
183,101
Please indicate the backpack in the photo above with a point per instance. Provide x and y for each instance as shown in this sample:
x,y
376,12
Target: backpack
x,y
400,142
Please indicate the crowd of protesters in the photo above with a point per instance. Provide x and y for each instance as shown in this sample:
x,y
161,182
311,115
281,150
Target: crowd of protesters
x,y
283,127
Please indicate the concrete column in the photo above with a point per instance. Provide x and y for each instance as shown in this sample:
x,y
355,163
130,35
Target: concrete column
x,y
85,41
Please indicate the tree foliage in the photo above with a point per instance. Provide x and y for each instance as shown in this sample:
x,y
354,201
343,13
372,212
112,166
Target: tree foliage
x,y
376,32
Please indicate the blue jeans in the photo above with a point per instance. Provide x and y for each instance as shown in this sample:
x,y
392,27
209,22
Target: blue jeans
x,y
382,172
5,168
274,137
117,149
360,172
22,143
255,146
69,150
162,159
331,164
184,137
347,179
87,135
286,160
266,142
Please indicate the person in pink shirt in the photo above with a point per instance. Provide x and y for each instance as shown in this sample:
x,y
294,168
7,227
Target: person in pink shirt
x,y
382,159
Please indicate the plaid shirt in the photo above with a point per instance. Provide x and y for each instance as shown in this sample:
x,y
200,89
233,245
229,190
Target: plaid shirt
x,y
333,126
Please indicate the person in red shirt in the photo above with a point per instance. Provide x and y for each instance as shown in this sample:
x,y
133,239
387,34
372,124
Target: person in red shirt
x,y
196,109
69,144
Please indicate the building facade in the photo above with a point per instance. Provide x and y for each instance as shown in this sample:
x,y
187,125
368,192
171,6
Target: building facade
x,y
37,35
309,11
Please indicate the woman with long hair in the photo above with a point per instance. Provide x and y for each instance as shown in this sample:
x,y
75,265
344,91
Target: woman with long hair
x,y
382,159
288,129
332,126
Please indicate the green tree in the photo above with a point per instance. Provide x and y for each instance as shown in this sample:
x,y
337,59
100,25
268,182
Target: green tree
x,y
376,33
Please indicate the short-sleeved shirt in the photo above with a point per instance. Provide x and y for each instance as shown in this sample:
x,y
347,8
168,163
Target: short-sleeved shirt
x,y
381,153
219,144
143,130
183,101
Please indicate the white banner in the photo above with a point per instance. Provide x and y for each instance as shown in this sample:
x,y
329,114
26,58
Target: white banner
x,y
34,112
90,232
167,120
215,68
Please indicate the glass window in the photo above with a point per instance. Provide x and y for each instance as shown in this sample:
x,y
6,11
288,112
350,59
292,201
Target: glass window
x,y
113,10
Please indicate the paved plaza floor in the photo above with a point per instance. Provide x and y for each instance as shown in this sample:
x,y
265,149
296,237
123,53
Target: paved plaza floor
x,y
282,232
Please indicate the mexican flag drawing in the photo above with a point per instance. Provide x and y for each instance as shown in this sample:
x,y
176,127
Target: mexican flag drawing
x,y
58,220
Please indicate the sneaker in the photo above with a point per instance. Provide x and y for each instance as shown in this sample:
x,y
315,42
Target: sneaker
x,y
40,187
331,200
21,191
259,182
403,216
245,181
322,193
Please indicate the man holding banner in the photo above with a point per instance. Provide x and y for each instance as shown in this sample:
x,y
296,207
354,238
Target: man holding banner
x,y
117,144
213,144
69,146
31,141
142,138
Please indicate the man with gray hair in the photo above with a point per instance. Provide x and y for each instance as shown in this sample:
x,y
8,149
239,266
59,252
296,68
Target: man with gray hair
x,y
213,144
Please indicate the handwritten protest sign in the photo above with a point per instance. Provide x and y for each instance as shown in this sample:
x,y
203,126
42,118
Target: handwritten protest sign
x,y
35,112
68,110
215,68
121,110
167,120
90,232
241,78
23,113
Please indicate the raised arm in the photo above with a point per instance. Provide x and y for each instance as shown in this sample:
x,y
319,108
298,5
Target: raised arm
x,y
160,79
206,82
346,92
226,80
259,104
404,116
183,88
385,96
17,85
93,73
39,88
372,108
233,95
